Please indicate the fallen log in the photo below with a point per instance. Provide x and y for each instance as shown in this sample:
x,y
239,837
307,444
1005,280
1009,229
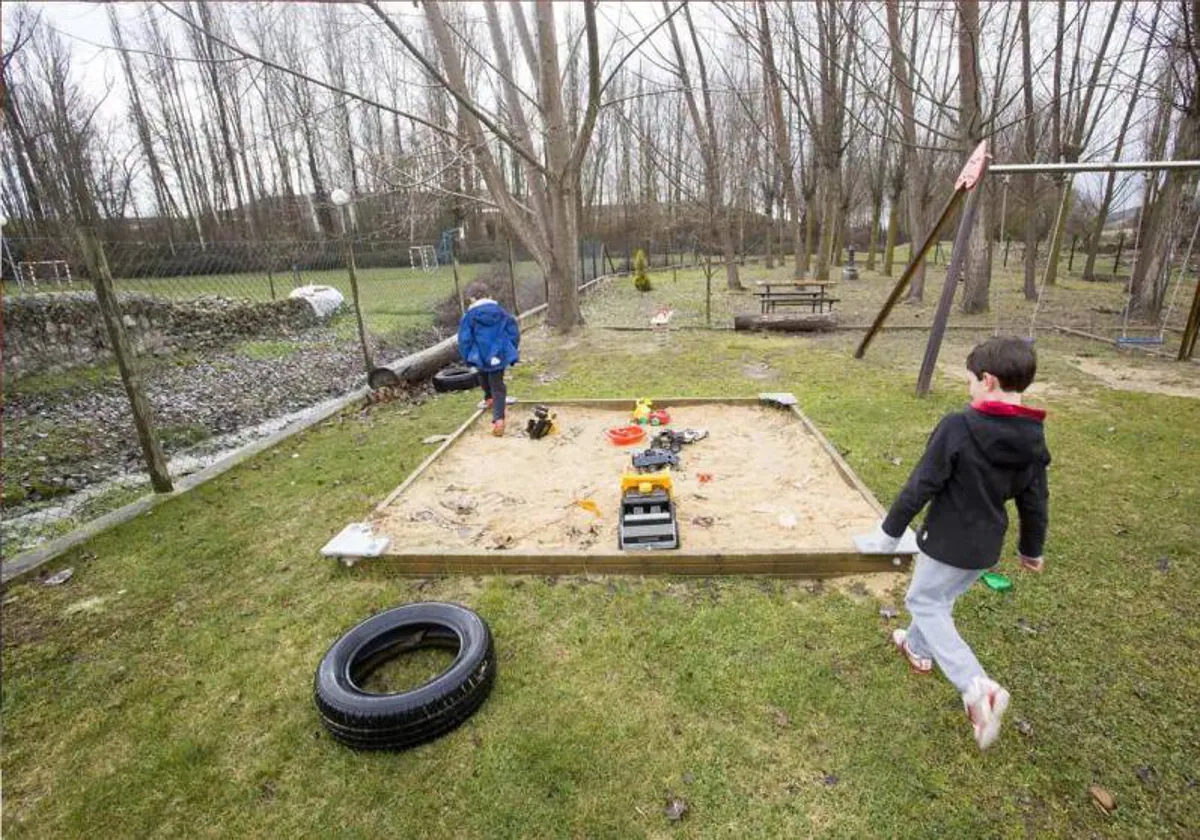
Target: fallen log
x,y
814,322
424,364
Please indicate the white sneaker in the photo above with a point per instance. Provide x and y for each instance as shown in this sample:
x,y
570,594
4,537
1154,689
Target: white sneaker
x,y
985,701
919,664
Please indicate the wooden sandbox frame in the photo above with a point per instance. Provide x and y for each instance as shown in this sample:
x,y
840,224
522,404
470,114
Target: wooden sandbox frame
x,y
811,563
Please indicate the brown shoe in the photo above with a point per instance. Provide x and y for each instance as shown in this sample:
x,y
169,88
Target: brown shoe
x,y
498,428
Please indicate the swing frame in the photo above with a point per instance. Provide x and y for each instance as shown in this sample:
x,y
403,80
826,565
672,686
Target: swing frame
x,y
967,184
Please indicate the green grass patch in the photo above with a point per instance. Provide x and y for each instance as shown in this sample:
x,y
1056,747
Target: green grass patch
x,y
179,702
87,376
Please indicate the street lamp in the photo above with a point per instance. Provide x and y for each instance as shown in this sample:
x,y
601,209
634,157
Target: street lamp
x,y
341,198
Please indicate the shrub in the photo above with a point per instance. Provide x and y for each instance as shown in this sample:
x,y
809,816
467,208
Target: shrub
x,y
641,280
492,282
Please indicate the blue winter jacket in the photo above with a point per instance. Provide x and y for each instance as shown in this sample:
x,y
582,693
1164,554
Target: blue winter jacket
x,y
488,337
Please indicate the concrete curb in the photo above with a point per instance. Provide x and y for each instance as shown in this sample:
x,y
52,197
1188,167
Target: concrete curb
x,y
29,561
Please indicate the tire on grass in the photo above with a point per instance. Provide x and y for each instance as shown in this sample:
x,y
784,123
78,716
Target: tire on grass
x,y
455,378
367,721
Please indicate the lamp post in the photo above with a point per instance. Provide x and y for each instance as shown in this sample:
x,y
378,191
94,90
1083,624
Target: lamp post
x,y
341,198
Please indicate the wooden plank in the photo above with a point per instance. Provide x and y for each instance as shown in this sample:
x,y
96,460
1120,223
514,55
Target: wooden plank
x,y
428,462
816,563
665,402
901,284
843,468
801,563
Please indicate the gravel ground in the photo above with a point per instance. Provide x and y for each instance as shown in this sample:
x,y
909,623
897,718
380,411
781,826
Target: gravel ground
x,y
58,442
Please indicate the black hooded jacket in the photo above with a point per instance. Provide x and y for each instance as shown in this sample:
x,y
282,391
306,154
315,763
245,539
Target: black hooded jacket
x,y
975,461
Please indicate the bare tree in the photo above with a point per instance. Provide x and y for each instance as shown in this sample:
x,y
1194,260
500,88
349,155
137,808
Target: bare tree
x,y
1162,228
1111,181
1030,138
783,141
908,166
705,129
1073,129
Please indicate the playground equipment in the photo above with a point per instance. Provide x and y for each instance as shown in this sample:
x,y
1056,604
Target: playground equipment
x,y
425,256
445,248
45,270
976,168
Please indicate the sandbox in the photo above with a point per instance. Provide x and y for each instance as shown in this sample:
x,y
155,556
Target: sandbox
x,y
764,493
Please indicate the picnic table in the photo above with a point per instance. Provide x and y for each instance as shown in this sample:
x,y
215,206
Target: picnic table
x,y
811,294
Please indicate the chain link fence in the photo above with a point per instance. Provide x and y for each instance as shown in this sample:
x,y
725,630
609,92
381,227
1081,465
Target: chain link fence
x,y
225,352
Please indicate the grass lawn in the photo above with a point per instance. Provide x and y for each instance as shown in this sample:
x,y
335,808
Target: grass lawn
x,y
1072,302
394,300
166,689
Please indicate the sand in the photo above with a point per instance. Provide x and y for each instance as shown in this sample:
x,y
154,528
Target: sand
x,y
774,488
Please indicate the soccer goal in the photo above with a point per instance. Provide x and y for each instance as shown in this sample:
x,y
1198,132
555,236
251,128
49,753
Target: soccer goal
x,y
43,271
423,256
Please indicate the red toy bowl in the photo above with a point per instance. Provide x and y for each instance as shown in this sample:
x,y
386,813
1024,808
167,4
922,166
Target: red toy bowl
x,y
626,435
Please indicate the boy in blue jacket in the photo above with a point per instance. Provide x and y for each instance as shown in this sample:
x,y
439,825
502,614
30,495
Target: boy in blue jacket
x,y
975,461
488,340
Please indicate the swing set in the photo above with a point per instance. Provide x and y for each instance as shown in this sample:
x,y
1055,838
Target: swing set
x,y
965,188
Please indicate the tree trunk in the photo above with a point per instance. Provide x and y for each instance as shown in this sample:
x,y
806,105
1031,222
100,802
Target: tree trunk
x,y
809,227
1156,246
977,268
783,144
900,71
1110,183
1030,202
893,231
831,200
873,236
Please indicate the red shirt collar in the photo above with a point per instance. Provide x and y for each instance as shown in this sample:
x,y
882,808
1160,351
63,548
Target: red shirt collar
x,y
1003,409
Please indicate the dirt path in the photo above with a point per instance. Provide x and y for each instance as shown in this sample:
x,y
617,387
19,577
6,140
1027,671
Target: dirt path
x,y
1179,380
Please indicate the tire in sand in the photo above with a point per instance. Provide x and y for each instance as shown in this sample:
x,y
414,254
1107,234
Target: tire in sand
x,y
455,378
405,719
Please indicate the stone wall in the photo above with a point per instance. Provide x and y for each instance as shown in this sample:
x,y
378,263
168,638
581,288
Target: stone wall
x,y
54,332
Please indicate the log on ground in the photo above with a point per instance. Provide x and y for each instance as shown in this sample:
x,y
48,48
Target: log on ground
x,y
797,322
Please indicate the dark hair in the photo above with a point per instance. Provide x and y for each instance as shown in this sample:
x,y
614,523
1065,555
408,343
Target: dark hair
x,y
1011,360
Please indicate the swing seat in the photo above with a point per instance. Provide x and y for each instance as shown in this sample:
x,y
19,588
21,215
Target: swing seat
x,y
1139,341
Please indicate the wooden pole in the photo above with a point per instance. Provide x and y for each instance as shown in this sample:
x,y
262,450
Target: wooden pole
x,y
352,270
1071,258
909,271
957,258
708,292
1187,344
110,309
462,308
512,276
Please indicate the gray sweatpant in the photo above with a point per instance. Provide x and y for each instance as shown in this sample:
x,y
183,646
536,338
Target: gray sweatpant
x,y
931,595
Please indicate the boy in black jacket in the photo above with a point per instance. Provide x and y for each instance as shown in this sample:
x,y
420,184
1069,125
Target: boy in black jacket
x,y
975,461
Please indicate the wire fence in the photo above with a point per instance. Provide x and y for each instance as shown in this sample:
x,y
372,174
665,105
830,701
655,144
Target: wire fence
x,y
224,350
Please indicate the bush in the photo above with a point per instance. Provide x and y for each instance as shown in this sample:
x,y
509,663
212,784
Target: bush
x,y
641,280
492,282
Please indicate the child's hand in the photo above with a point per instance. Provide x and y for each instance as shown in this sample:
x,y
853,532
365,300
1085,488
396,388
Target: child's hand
x,y
1033,564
